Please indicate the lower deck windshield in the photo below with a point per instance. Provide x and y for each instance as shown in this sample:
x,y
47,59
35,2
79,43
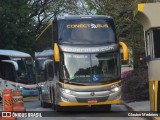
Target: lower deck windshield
x,y
90,68
25,70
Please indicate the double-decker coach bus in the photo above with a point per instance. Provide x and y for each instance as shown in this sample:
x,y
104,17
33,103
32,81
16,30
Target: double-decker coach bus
x,y
17,72
78,62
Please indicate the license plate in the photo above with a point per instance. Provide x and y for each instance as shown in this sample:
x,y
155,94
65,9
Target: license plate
x,y
92,101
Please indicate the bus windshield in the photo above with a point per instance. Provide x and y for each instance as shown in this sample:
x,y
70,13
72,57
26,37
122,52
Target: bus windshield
x,y
86,32
25,72
90,68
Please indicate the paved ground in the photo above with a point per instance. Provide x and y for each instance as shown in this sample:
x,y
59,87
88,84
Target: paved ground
x,y
32,104
139,105
143,107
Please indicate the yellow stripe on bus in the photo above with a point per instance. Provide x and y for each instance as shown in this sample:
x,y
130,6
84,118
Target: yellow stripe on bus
x,y
88,104
92,86
156,94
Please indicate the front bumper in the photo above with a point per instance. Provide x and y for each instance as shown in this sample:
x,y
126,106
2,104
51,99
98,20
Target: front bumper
x,y
89,104
72,95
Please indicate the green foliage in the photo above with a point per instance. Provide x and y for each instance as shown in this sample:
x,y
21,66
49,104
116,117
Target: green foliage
x,y
22,20
136,86
16,30
128,29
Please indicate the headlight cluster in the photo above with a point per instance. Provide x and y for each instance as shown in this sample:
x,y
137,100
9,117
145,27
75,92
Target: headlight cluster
x,y
66,91
21,87
115,89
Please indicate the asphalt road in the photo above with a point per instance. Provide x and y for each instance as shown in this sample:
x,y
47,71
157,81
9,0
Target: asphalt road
x,y
33,105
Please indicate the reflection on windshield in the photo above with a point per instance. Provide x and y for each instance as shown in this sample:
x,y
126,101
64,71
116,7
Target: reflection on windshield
x,y
26,70
89,68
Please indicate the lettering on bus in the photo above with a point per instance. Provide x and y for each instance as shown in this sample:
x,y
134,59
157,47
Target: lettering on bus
x,y
89,49
77,56
87,25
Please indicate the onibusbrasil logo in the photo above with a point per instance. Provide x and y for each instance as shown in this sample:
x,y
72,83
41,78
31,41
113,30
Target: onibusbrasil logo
x,y
25,114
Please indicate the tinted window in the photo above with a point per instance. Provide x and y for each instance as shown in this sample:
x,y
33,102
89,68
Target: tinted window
x,y
8,72
86,32
50,71
90,68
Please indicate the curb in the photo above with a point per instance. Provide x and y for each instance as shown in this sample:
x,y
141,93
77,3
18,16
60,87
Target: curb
x,y
135,110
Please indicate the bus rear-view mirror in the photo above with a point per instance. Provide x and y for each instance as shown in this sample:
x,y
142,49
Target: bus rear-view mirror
x,y
125,50
56,53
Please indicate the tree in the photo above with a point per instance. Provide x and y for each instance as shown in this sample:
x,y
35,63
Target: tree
x,y
15,28
22,20
128,29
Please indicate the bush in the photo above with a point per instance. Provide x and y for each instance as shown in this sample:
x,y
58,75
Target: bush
x,y
135,85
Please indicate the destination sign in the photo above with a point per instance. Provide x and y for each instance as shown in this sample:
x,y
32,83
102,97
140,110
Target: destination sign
x,y
88,49
87,25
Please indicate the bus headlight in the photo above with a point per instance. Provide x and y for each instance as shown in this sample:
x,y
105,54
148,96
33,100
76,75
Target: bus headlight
x,y
20,87
115,89
66,91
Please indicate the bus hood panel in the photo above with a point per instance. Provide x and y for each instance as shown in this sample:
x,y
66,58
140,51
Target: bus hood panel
x,y
90,88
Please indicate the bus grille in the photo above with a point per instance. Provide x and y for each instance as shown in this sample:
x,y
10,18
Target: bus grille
x,y
99,99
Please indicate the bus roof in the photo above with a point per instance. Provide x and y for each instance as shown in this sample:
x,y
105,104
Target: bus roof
x,y
74,17
44,53
71,17
14,53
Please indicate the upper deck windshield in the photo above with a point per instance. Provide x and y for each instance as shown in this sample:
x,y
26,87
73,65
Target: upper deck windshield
x,y
90,68
97,31
25,70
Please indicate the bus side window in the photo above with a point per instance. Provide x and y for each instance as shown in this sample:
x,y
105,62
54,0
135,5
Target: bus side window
x,y
22,68
50,71
45,74
8,72
37,70
0,74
